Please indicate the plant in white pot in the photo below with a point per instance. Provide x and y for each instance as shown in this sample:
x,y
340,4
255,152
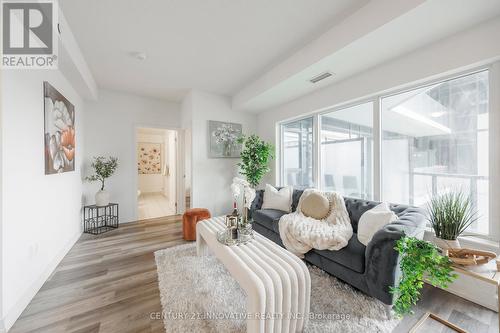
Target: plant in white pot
x,y
103,169
450,214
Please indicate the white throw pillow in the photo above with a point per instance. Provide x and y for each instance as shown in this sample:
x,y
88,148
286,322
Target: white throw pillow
x,y
373,220
274,199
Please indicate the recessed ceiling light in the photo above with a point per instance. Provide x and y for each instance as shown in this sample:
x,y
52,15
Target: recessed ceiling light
x,y
139,55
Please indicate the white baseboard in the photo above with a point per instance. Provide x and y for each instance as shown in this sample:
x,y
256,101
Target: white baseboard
x,y
13,313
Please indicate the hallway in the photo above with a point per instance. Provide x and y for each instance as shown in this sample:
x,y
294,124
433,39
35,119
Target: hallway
x,y
153,205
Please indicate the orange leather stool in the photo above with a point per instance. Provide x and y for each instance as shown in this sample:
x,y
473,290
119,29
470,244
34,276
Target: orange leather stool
x,y
189,220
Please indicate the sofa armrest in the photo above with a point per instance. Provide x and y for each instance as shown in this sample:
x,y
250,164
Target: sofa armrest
x,y
382,260
257,202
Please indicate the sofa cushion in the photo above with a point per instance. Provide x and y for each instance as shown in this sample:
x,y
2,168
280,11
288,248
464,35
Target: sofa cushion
x,y
280,199
373,220
357,207
352,256
268,218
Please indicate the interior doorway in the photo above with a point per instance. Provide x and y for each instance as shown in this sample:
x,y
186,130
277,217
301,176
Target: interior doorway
x,y
187,169
157,165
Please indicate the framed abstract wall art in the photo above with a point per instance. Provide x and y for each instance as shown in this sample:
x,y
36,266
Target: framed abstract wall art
x,y
59,129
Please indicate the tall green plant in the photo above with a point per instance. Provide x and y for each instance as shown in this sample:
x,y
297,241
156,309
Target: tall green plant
x,y
450,214
103,168
419,258
255,157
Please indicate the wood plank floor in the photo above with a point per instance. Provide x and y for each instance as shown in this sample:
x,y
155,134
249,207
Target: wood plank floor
x,y
108,283
471,317
153,205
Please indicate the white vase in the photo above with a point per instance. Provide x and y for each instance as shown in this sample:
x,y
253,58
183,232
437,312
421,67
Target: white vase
x,y
102,198
446,244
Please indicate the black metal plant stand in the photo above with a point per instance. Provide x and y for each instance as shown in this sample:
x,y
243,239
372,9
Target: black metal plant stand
x,y
99,219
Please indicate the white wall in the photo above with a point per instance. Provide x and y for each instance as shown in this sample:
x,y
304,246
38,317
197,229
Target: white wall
x,y
113,120
211,177
41,216
467,49
148,183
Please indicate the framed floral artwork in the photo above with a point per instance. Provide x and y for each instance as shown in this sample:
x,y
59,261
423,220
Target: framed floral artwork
x,y
223,138
149,158
59,131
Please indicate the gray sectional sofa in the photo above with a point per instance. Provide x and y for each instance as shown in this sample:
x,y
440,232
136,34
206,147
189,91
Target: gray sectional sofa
x,y
371,269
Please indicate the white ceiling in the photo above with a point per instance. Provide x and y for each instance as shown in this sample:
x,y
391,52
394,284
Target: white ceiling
x,y
212,45
424,23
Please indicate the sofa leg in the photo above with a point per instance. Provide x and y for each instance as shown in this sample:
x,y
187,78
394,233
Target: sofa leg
x,y
388,311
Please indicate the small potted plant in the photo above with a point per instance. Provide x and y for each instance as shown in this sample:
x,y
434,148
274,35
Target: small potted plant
x,y
450,214
420,260
103,169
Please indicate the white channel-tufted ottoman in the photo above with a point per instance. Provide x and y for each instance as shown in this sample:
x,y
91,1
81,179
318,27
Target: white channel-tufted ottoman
x,y
276,282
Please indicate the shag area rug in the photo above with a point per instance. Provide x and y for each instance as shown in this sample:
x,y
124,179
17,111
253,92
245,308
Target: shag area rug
x,y
199,295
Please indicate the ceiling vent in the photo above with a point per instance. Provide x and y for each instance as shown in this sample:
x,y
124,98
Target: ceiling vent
x,y
320,77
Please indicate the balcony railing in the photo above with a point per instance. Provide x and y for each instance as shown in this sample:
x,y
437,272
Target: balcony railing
x,y
471,184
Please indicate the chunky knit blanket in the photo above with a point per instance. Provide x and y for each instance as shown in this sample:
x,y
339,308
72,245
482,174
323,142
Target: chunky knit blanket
x,y
300,233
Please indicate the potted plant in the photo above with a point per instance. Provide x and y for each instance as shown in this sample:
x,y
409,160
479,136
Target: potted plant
x,y
419,260
450,214
103,169
255,157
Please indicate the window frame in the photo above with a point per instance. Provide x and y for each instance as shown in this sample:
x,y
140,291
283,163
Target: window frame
x,y
493,70
342,107
281,126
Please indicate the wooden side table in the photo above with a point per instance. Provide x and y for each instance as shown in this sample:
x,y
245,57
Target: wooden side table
x,y
99,219
487,273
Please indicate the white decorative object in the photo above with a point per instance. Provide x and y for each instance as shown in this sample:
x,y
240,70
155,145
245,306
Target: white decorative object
x,y
102,198
248,192
300,233
236,191
276,282
249,196
445,244
373,220
278,199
